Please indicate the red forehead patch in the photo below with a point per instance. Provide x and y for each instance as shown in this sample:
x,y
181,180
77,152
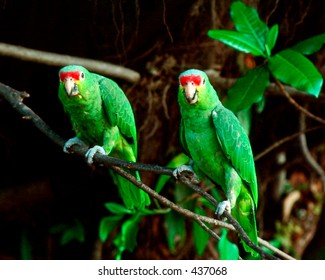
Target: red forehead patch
x,y
196,79
73,74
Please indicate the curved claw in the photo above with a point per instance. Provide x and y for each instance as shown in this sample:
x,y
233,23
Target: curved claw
x,y
72,141
92,151
222,207
189,173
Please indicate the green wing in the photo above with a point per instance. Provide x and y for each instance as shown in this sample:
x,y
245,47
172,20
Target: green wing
x,y
118,110
236,146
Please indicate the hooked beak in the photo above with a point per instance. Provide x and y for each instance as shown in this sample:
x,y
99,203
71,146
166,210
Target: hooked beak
x,y
190,93
70,87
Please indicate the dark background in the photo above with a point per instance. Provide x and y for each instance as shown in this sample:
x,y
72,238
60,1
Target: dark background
x,y
41,187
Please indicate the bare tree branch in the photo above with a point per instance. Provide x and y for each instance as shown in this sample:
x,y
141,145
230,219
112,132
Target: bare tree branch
x,y
55,59
304,148
15,98
294,103
284,140
280,253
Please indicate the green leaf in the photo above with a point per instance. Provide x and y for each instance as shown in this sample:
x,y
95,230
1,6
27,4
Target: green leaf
x,y
107,224
237,40
245,118
177,161
248,89
176,232
201,237
26,247
181,195
271,38
247,21
260,105
227,249
310,45
127,238
117,209
73,232
159,211
293,68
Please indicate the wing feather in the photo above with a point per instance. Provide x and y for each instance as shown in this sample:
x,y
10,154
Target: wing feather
x,y
118,110
236,146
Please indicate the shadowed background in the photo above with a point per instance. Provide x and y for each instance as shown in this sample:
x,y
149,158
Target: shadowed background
x,y
41,187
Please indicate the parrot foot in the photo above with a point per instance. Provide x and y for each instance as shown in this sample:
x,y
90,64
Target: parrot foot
x,y
222,207
72,141
187,172
92,151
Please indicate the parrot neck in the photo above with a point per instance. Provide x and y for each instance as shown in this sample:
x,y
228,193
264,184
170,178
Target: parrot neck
x,y
84,104
198,116
198,119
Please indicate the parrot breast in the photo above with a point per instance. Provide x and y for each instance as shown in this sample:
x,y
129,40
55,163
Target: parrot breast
x,y
203,146
86,114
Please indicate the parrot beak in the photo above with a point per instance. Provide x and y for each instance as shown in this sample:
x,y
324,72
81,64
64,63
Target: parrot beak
x,y
190,93
71,87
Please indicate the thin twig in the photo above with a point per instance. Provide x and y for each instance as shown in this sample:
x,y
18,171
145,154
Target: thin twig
x,y
280,253
55,59
304,148
272,11
294,103
284,140
165,22
15,98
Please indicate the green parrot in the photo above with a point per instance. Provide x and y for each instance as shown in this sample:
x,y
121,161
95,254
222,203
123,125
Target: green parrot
x,y
213,138
102,118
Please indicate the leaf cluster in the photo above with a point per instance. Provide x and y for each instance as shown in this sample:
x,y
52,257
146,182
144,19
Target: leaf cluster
x,y
127,222
290,66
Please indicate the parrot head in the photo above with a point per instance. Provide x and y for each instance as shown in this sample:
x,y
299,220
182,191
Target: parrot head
x,y
72,79
195,88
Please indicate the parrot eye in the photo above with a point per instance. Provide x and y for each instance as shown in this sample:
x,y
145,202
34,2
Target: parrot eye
x,y
82,76
203,82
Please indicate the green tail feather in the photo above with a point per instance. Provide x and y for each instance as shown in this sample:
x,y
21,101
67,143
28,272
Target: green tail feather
x,y
132,196
244,213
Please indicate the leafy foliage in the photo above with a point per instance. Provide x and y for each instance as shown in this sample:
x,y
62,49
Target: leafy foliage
x,y
201,237
251,88
74,231
290,66
311,45
126,239
178,160
247,22
176,230
175,223
227,249
239,41
127,221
